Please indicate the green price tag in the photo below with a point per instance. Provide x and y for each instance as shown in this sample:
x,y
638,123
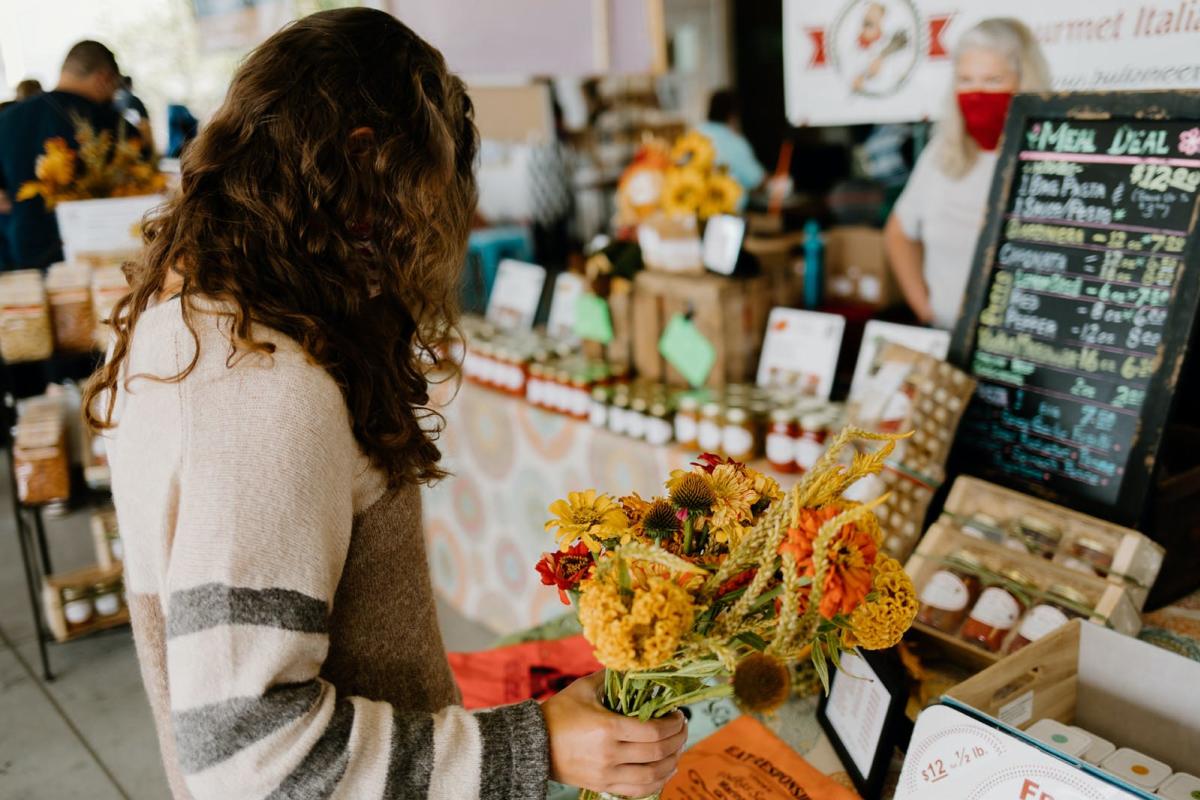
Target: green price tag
x,y
592,320
686,349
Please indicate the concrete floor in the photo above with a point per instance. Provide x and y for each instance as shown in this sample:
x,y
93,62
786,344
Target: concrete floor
x,y
88,733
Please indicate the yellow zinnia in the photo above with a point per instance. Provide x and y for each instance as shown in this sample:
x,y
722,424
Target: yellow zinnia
x,y
734,496
587,517
882,622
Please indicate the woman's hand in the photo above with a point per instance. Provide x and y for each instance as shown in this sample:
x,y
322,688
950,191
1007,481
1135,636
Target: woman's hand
x,y
593,748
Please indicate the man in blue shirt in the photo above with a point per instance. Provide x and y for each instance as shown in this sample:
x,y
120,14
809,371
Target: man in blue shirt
x,y
85,90
724,129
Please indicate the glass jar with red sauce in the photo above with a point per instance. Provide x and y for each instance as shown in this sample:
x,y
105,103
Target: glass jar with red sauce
x,y
950,592
782,436
997,610
1061,605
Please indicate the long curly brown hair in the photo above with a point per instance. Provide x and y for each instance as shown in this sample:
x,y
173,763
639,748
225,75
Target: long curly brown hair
x,y
328,199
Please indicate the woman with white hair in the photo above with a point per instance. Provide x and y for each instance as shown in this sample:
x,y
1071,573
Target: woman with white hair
x,y
932,231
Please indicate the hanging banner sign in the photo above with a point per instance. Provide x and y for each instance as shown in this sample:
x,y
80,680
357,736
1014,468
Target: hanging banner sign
x,y
872,61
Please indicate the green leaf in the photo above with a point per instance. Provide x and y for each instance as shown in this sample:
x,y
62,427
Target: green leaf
x,y
752,639
820,665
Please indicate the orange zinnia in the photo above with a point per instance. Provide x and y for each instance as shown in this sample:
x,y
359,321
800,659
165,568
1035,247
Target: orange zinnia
x,y
850,557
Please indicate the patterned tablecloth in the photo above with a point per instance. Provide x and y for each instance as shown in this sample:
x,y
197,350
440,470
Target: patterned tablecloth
x,y
510,461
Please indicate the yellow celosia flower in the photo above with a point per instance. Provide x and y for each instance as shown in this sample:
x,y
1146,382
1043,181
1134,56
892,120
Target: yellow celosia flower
x,y
882,622
636,629
587,517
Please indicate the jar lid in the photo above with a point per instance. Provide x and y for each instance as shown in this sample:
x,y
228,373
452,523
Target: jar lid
x,y
536,370
104,587
783,415
1093,543
737,416
658,409
815,421
73,593
621,400
600,394
1018,577
711,409
688,402
966,558
987,520
638,404
1069,593
1040,527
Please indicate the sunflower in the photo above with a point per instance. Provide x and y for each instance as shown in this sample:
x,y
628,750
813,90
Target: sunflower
x,y
683,191
721,195
761,683
638,629
694,150
691,491
733,496
850,557
881,622
587,517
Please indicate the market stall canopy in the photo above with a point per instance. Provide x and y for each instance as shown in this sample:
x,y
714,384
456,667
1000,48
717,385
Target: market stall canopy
x,y
873,61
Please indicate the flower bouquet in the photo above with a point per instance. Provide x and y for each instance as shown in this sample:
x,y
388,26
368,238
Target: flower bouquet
x,y
718,587
102,166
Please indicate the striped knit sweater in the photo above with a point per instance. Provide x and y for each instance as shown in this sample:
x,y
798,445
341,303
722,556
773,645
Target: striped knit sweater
x,y
280,597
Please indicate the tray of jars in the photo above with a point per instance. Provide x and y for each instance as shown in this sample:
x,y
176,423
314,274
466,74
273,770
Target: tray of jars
x,y
84,601
1000,569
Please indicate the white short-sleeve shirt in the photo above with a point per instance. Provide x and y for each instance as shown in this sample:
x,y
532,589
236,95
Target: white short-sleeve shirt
x,y
946,216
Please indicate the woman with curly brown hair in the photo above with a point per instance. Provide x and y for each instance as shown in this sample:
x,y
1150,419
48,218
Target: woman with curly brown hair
x,y
267,409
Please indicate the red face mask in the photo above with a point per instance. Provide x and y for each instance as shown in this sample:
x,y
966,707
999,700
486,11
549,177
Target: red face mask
x,y
983,115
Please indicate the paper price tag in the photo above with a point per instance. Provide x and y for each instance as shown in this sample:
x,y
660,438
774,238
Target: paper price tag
x,y
800,351
592,319
568,288
686,349
515,294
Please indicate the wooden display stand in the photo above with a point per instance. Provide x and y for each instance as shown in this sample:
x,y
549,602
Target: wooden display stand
x,y
1080,316
52,586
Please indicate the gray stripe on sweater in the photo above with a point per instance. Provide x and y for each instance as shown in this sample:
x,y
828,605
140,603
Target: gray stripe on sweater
x,y
516,752
211,734
322,769
214,604
411,762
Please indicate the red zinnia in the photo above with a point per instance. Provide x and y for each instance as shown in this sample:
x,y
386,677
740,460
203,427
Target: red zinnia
x,y
565,569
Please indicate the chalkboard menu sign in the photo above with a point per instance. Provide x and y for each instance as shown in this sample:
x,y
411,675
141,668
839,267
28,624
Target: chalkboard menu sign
x,y
1083,296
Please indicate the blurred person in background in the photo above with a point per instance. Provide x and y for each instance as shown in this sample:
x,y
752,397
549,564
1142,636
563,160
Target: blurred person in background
x,y
30,87
85,90
182,127
266,406
133,111
724,130
931,233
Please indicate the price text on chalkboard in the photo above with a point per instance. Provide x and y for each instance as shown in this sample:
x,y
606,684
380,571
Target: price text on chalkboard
x,y
1081,291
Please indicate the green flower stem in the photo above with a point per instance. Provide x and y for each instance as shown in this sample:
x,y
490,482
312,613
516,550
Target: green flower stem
x,y
707,693
687,535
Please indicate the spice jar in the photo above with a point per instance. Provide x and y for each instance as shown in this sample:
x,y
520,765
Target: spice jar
x,y
40,463
659,428
598,410
814,428
106,598
983,526
687,422
69,291
580,399
737,436
618,411
25,330
1037,535
710,431
1090,554
534,384
77,605
781,441
949,592
635,420
996,612
1058,608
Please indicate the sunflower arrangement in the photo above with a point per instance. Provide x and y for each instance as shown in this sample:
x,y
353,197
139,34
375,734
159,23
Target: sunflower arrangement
x,y
678,179
103,166
720,586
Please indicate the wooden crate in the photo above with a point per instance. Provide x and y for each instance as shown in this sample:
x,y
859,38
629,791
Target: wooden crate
x,y
782,264
731,313
1117,602
52,602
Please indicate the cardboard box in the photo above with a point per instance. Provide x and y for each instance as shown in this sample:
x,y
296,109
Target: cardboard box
x,y
781,259
857,269
731,313
1118,688
1117,600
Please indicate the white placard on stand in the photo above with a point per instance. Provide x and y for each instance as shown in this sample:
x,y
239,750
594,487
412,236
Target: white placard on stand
x,y
924,340
723,236
800,351
567,289
857,710
106,226
515,295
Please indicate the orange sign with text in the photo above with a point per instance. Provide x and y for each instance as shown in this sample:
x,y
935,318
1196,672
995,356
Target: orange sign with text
x,y
745,761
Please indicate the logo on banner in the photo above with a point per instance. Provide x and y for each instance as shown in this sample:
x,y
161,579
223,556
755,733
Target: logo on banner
x,y
875,45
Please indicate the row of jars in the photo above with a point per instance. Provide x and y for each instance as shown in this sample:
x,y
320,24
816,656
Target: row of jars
x,y
639,410
1091,554
82,605
955,601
